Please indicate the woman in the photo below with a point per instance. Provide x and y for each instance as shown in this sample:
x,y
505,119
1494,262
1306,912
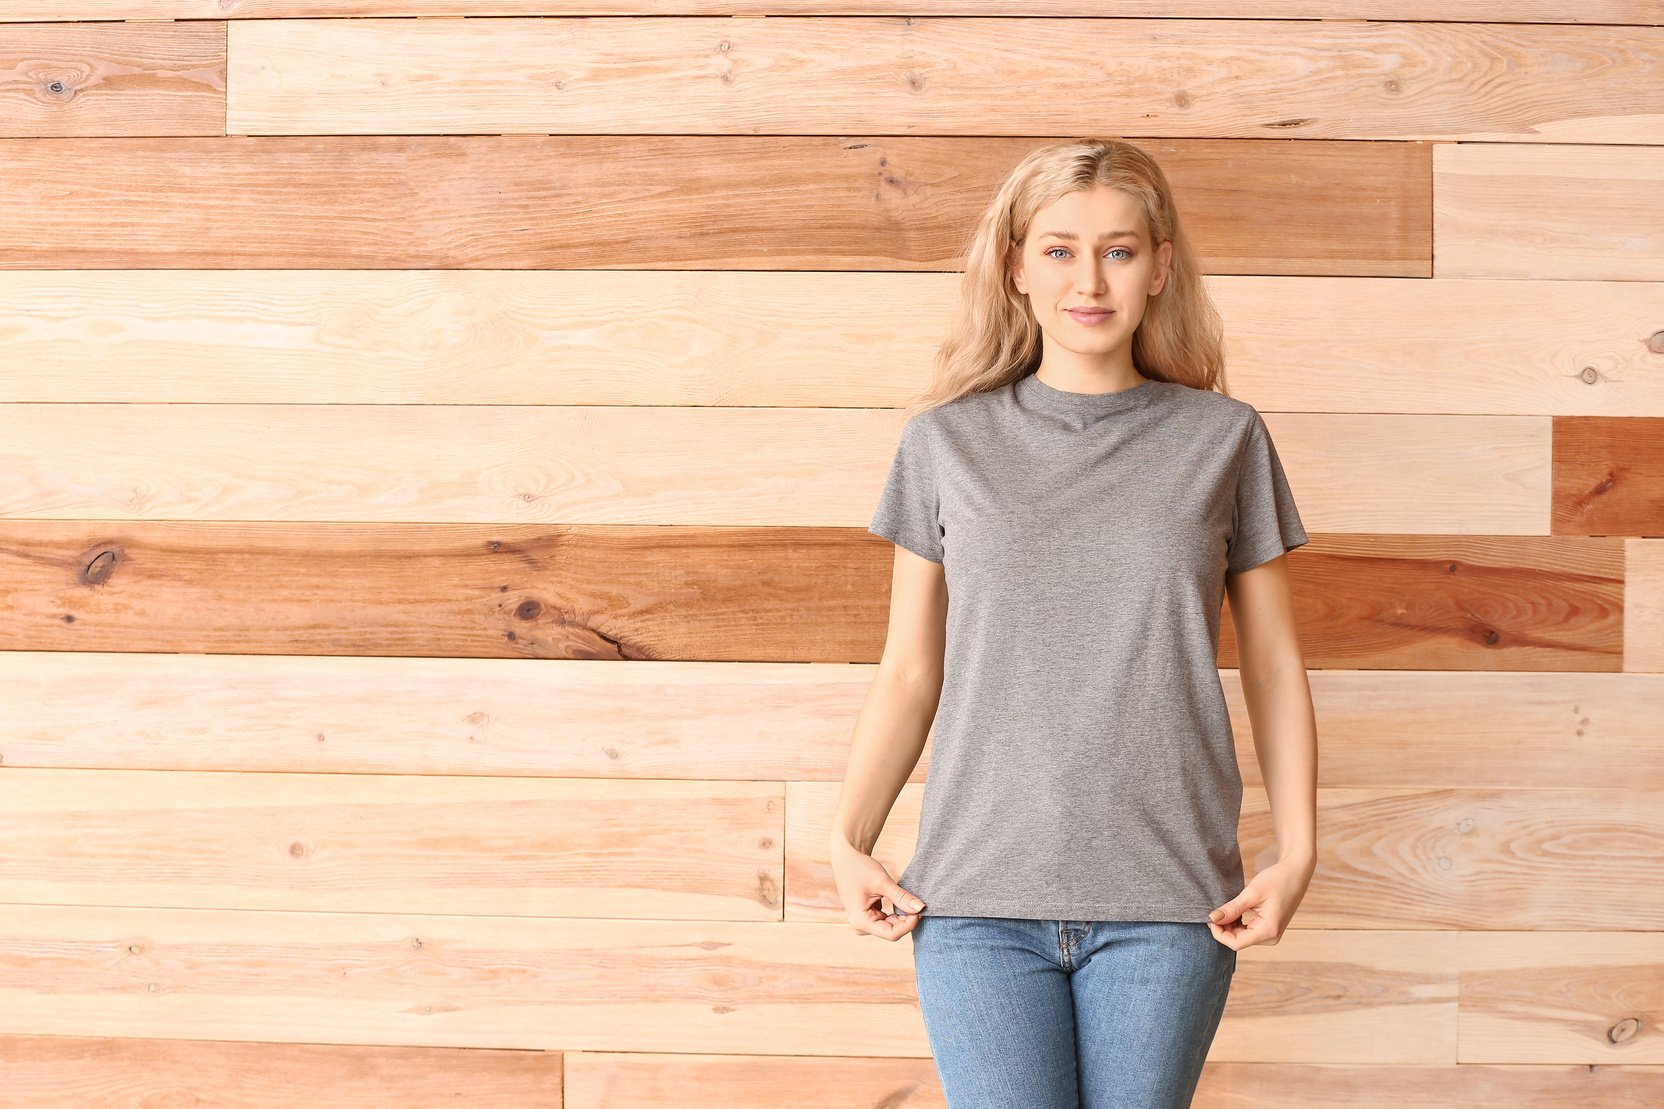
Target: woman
x,y
1081,486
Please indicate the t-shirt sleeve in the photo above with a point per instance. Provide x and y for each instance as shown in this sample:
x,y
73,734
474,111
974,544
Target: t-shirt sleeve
x,y
1266,522
907,508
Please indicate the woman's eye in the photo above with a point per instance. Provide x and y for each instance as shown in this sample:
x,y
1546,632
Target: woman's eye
x,y
1112,250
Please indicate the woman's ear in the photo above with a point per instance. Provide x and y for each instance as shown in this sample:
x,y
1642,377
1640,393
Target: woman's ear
x,y
1164,268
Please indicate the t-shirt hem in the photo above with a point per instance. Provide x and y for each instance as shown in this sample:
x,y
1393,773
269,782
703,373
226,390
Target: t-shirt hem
x,y
1088,910
901,539
1266,554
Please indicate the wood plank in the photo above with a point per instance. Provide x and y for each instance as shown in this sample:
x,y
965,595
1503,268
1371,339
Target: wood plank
x,y
1545,347
50,1072
47,1072
693,594
597,1080
525,982
1588,212
1608,476
733,987
717,467
731,467
715,594
1644,606
1306,344
1324,1086
656,1080
580,718
369,202
664,74
113,78
1470,859
1468,730
478,336
1539,861
1642,12
1471,609
1548,998
472,845
727,721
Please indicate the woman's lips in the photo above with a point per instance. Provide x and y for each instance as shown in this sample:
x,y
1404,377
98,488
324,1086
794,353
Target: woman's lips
x,y
1089,318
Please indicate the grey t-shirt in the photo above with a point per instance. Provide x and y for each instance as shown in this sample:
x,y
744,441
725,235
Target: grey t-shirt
x,y
1082,765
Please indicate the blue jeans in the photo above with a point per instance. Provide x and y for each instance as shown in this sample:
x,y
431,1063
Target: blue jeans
x,y
1069,1014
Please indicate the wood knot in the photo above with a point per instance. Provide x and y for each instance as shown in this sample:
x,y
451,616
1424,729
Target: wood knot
x,y
101,568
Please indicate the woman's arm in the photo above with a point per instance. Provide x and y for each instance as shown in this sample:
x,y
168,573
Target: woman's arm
x,y
889,738
1279,699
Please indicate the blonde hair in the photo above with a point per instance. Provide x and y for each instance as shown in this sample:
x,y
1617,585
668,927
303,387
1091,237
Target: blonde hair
x,y
995,338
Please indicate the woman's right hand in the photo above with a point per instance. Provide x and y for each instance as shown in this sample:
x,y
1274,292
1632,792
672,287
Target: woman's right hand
x,y
862,883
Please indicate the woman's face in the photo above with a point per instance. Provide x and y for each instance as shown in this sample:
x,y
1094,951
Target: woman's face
x,y
1091,248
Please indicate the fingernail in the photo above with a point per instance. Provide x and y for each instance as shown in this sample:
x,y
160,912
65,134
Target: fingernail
x,y
1214,916
917,905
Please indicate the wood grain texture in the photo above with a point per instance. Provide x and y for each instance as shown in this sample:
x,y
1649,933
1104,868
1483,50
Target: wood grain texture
x,y
525,982
1590,1001
1473,605
693,202
597,1080
655,1080
732,987
1642,12
112,78
48,1072
472,845
534,718
466,337
730,467
1451,345
1644,606
1608,476
1304,344
752,721
52,1072
714,594
1238,78
723,594
718,467
1532,211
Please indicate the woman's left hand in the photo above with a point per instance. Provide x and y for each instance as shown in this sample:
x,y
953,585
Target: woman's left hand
x,y
1272,896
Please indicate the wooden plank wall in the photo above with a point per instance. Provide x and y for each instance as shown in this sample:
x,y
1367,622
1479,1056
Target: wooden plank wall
x,y
435,459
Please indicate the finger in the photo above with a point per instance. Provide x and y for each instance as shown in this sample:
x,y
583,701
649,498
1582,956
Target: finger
x,y
885,929
889,925
1234,936
902,923
1224,936
901,899
1232,909
1260,929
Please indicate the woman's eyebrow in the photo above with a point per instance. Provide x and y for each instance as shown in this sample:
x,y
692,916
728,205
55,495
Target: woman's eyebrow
x,y
1074,238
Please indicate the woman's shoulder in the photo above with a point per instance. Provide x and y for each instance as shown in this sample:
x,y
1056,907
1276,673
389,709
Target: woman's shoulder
x,y
1210,400
968,409
1214,411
